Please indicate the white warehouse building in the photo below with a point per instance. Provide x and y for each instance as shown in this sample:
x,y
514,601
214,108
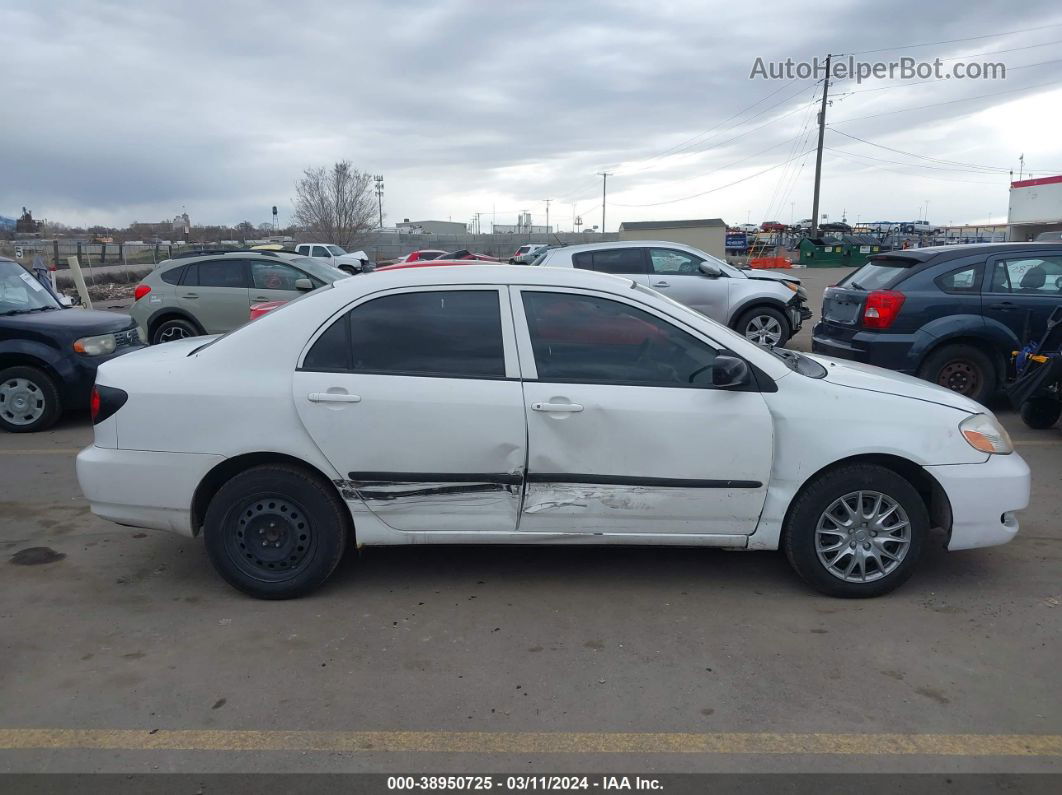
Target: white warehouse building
x,y
1035,207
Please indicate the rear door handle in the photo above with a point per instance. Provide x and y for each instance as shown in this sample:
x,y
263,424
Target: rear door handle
x,y
1005,306
260,298
661,284
557,408
333,397
190,295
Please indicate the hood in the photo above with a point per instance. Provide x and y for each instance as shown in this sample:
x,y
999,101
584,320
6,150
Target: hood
x,y
771,276
73,322
354,257
877,379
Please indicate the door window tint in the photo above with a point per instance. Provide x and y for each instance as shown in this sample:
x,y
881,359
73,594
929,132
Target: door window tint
x,y
275,275
332,349
672,262
620,260
217,273
585,339
585,261
964,280
443,332
1028,276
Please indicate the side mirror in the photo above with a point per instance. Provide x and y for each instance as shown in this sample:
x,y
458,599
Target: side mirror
x,y
729,372
303,284
709,269
66,301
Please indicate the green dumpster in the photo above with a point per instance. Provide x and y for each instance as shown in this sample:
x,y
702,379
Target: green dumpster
x,y
820,253
857,250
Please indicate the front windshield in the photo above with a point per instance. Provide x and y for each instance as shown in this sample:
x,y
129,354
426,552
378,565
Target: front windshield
x,y
335,251
20,292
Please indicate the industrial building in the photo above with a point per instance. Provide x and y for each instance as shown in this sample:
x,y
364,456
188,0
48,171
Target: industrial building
x,y
707,234
1035,207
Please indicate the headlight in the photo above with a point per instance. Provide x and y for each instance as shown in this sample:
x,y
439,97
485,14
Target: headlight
x,y
95,346
984,433
791,286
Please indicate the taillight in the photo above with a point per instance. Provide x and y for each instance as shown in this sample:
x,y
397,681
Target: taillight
x,y
105,401
140,291
882,308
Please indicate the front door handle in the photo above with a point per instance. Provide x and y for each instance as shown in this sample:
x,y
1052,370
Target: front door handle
x,y
661,284
557,408
260,298
190,295
1006,306
333,397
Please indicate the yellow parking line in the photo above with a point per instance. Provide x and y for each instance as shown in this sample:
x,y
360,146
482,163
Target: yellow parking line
x,y
1047,745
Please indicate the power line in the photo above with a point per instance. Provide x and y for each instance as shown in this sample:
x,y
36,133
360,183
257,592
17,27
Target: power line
x,y
721,187
971,166
950,102
849,155
955,41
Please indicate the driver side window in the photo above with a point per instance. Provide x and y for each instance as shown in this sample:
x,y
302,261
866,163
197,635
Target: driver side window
x,y
586,339
671,262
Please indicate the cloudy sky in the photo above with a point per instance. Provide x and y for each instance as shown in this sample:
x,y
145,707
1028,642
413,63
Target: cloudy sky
x,y
123,111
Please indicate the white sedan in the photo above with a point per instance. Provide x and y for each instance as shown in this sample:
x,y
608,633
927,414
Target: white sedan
x,y
491,404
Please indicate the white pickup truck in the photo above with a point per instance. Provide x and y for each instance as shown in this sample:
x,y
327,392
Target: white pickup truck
x,y
351,262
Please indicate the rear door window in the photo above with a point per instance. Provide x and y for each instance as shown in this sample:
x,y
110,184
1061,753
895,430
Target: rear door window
x,y
613,260
217,273
173,275
878,274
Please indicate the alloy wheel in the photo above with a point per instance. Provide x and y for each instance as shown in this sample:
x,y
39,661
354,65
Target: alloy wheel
x,y
173,333
862,536
764,330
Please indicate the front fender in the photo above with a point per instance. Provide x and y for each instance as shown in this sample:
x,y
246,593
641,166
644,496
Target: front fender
x,y
38,350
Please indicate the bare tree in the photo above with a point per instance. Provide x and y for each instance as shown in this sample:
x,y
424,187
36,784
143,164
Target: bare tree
x,y
335,205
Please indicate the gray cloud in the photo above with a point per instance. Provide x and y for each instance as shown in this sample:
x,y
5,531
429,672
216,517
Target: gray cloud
x,y
123,111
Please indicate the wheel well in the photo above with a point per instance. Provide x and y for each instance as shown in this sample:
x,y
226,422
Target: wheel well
x,y
230,467
171,314
933,495
777,306
986,347
25,360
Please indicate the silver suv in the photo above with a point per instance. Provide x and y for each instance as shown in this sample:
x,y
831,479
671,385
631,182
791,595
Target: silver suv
x,y
768,308
213,293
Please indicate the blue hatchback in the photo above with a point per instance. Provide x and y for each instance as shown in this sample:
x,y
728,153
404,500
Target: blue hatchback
x,y
952,315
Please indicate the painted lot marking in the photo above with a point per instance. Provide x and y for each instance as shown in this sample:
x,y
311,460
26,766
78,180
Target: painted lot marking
x,y
1030,745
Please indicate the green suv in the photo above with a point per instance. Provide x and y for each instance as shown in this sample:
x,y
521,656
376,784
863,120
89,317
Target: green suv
x,y
213,293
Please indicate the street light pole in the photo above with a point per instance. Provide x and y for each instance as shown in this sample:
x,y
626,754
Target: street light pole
x,y
379,180
604,190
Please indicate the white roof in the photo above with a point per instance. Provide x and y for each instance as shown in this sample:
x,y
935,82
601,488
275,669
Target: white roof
x,y
483,274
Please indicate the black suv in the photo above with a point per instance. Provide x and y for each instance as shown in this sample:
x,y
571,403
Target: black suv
x,y
48,353
952,315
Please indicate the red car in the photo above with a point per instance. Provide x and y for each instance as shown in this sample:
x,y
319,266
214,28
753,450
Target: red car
x,y
466,254
429,263
423,254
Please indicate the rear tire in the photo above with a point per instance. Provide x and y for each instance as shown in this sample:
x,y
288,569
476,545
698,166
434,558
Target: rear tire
x,y
963,369
1041,412
276,531
764,326
887,524
173,330
29,400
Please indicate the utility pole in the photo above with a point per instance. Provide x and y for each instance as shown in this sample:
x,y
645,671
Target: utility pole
x,y
604,190
378,179
814,231
547,201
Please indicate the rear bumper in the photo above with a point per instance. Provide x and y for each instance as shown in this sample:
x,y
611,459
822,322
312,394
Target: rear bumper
x,y
984,498
139,488
892,351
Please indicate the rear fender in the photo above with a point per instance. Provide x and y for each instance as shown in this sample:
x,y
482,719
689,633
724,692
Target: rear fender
x,y
971,329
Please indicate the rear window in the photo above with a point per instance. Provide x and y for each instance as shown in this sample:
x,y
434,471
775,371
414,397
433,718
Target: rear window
x,y
878,274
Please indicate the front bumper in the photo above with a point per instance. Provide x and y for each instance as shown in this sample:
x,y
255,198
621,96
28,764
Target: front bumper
x,y
797,312
139,488
984,498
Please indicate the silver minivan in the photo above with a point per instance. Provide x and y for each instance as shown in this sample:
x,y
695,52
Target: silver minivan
x,y
768,308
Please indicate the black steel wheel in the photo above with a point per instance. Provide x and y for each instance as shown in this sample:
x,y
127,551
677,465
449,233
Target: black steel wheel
x,y
276,531
963,369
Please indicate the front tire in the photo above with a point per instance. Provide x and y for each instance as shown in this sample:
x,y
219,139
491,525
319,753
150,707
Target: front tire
x,y
276,531
29,400
1041,412
963,369
764,326
856,531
